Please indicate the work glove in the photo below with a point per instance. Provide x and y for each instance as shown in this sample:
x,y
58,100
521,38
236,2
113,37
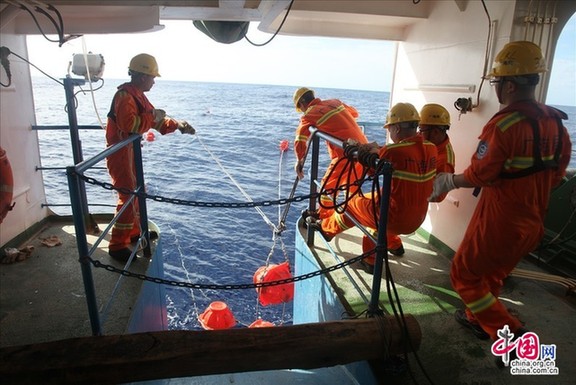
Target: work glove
x,y
186,128
443,183
299,168
159,115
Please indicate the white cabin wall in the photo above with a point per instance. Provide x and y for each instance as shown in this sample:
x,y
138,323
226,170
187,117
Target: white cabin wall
x,y
20,142
431,61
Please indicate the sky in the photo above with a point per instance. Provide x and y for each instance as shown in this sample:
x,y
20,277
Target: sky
x,y
186,54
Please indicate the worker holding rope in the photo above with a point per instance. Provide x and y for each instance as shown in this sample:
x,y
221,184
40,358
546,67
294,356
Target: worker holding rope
x,y
339,120
413,161
434,124
132,113
522,154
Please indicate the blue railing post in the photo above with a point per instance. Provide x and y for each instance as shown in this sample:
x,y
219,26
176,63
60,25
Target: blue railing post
x,y
382,243
75,188
141,199
77,155
313,188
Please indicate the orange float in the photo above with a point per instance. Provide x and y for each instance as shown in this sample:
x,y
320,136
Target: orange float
x,y
273,295
284,145
150,137
6,185
260,323
217,316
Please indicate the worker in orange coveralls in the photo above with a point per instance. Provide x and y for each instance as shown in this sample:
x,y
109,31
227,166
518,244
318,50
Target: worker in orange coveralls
x,y
413,162
132,113
434,122
334,118
523,153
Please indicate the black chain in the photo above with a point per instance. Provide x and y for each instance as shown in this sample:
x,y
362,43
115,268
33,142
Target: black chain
x,y
158,198
144,277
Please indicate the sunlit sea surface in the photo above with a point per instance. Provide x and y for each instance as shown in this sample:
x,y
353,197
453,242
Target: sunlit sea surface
x,y
242,127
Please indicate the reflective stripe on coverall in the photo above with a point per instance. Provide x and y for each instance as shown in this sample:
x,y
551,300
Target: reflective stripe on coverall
x,y
339,120
508,221
132,113
414,163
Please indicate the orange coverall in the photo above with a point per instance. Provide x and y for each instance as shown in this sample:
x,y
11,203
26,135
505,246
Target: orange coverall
x,y
339,120
508,221
130,113
446,161
414,168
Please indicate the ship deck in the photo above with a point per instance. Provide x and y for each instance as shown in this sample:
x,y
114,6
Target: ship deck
x,y
42,298
449,353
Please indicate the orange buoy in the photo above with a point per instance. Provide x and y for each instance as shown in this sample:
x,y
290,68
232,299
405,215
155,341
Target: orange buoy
x,y
150,137
283,145
260,323
6,185
273,295
217,316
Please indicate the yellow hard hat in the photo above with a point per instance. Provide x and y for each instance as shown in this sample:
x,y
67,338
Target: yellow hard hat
x,y
298,95
402,112
145,64
518,58
434,115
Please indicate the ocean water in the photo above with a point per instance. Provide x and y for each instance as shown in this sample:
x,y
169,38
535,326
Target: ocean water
x,y
240,128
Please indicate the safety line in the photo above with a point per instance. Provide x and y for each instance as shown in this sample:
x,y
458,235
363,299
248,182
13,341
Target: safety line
x,y
262,214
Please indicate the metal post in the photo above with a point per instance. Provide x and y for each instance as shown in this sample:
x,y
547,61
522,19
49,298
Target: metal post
x,y
382,244
69,85
141,199
313,188
75,188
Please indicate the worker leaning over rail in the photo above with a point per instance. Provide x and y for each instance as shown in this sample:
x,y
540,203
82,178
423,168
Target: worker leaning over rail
x,y
434,124
523,153
334,118
132,113
413,162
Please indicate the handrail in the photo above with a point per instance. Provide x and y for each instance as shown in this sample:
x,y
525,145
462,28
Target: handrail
x,y
381,242
60,127
77,199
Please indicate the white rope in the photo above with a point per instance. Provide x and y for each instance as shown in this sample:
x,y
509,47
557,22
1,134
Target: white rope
x,y
262,214
283,247
280,185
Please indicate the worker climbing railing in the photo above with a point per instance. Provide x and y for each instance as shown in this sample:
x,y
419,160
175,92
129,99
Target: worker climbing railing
x,y
384,170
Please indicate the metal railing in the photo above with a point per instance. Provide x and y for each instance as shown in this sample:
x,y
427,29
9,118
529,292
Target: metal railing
x,y
385,172
73,128
78,201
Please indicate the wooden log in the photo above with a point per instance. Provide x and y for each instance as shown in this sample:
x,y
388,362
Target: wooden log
x,y
169,354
